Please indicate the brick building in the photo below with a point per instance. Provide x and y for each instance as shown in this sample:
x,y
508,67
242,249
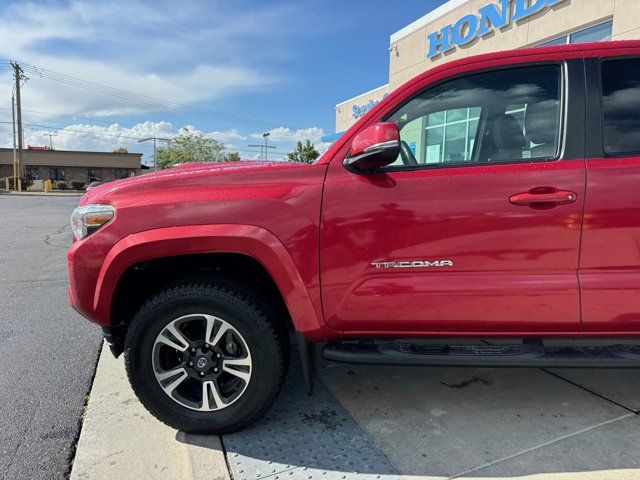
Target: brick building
x,y
73,166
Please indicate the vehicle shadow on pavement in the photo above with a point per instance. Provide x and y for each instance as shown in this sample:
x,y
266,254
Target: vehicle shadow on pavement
x,y
306,437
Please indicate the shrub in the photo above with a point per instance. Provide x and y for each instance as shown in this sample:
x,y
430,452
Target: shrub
x,y
77,185
62,186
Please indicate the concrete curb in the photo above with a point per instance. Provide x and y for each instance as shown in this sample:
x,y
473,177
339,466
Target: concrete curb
x,y
43,194
120,439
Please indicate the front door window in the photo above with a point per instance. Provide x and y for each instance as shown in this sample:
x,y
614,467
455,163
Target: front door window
x,y
497,117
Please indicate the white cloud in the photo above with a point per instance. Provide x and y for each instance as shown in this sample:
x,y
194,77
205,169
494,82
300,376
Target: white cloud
x,y
226,136
107,138
98,138
185,53
82,136
284,134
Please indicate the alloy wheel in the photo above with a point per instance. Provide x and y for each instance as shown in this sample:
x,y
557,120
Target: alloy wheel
x,y
201,362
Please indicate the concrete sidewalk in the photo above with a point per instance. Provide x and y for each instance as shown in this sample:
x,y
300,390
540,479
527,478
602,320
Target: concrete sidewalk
x,y
367,423
121,440
442,423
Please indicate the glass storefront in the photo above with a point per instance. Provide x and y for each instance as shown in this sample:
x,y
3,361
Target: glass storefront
x,y
450,135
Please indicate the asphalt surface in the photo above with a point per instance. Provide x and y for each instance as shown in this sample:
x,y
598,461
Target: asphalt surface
x,y
48,353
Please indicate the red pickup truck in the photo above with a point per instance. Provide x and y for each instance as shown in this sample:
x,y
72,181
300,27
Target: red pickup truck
x,y
492,197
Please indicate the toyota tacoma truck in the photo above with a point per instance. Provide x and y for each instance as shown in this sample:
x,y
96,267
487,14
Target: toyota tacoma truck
x,y
494,197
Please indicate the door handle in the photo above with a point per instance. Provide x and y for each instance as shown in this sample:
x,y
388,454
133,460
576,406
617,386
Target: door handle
x,y
543,198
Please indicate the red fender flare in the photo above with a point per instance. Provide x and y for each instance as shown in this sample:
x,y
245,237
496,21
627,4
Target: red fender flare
x,y
250,240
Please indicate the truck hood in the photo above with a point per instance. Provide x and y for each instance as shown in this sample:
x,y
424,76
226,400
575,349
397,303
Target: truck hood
x,y
186,175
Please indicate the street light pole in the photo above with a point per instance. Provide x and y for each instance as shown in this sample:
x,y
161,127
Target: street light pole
x,y
266,144
264,147
51,140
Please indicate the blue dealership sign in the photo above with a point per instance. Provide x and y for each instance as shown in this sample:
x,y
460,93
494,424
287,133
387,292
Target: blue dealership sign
x,y
358,111
485,21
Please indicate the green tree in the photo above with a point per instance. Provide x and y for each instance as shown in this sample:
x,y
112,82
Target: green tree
x,y
231,157
192,147
121,150
304,153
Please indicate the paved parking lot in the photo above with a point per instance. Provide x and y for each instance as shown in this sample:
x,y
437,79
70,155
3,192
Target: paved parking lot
x,y
47,352
362,422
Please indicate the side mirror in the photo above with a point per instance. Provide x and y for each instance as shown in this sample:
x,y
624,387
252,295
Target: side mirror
x,y
374,147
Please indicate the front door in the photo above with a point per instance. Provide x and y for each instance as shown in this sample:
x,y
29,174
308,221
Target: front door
x,y
476,227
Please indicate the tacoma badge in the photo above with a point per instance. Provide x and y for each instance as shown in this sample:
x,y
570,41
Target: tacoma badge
x,y
414,264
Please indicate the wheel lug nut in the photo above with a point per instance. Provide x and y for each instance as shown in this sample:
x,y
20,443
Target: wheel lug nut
x,y
202,374
215,369
217,355
193,350
190,364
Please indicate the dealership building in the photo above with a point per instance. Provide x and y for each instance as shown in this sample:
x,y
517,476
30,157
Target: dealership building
x,y
64,166
460,28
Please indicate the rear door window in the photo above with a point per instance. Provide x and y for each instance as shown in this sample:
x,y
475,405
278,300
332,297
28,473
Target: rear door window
x,y
621,106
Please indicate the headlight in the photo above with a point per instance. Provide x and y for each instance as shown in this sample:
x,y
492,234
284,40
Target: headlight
x,y
88,218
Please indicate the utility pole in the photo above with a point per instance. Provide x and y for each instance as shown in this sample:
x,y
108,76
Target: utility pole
x,y
261,147
264,148
155,139
15,159
18,75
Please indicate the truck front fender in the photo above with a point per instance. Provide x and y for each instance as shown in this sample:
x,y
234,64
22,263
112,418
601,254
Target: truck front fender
x,y
250,240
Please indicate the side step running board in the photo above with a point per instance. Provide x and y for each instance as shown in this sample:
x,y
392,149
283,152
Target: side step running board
x,y
414,353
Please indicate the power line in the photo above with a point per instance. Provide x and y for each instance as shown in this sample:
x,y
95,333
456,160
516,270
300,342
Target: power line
x,y
147,100
75,117
35,127
133,139
109,122
82,131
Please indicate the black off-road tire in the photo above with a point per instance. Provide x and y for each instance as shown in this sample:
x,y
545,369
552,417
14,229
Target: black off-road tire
x,y
266,338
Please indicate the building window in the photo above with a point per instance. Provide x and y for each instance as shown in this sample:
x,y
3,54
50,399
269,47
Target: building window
x,y
32,172
451,134
620,105
597,33
122,173
95,175
56,173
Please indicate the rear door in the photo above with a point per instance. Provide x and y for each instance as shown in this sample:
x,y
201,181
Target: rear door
x,y
610,260
477,230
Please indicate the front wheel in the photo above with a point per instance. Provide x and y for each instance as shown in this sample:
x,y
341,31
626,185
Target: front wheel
x,y
206,356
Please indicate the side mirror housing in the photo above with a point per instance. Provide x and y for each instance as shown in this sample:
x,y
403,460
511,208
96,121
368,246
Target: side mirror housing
x,y
374,147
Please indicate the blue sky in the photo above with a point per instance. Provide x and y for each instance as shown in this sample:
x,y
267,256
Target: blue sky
x,y
284,63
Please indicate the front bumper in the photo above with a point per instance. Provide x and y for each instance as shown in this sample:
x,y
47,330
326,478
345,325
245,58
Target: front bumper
x,y
84,262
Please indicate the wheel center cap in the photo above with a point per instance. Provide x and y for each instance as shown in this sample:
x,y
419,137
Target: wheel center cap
x,y
201,363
